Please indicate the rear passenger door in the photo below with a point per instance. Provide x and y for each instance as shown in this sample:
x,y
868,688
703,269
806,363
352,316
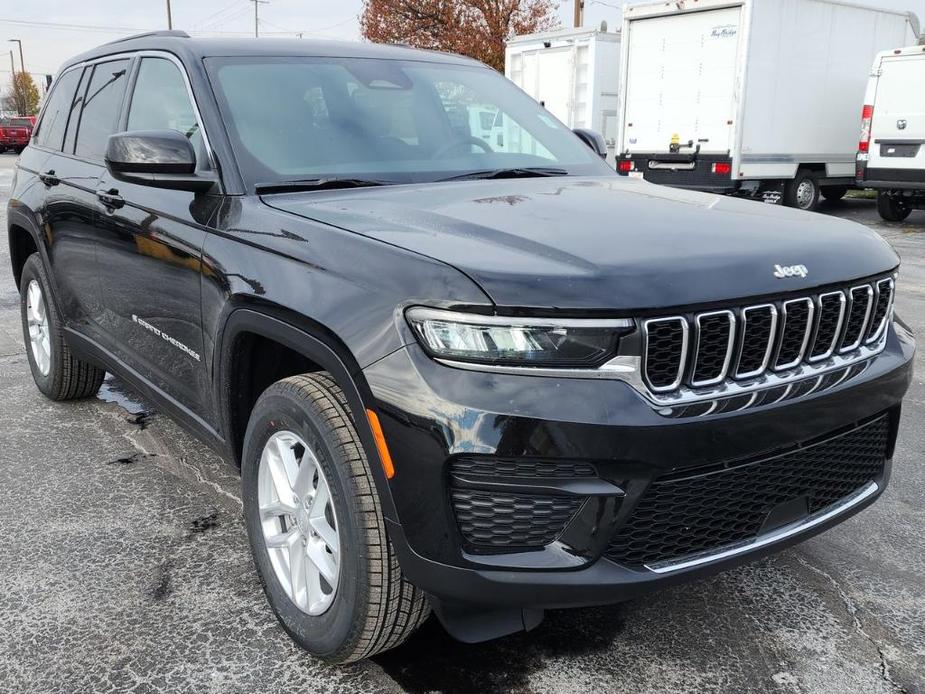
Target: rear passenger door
x,y
150,250
76,135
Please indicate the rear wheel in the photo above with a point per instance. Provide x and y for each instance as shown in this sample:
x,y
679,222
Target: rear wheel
x,y
803,191
891,207
834,193
56,371
316,528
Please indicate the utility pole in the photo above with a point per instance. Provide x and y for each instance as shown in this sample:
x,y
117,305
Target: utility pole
x,y
20,107
256,18
579,12
22,63
169,16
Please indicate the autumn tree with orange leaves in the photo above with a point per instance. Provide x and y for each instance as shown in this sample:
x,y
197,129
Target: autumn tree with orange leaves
x,y
477,28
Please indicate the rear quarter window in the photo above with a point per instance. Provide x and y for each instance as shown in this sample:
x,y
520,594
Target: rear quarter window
x,y
50,129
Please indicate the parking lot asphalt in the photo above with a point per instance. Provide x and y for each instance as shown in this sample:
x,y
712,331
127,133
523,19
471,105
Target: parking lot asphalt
x,y
124,566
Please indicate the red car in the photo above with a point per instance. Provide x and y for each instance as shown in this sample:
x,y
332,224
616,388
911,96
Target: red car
x,y
15,133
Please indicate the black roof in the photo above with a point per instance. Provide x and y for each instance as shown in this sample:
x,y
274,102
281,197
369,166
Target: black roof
x,y
182,45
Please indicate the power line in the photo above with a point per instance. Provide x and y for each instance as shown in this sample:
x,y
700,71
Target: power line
x,y
74,27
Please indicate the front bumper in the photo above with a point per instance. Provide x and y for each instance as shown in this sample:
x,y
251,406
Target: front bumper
x,y
434,415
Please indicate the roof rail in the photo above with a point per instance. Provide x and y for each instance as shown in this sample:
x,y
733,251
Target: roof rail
x,y
175,33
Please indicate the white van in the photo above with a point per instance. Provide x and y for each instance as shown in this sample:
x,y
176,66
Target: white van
x,y
754,97
891,156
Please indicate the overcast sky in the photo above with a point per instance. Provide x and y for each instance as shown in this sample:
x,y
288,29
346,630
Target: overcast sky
x,y
54,30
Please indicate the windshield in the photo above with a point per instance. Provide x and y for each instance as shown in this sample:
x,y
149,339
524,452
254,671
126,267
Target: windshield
x,y
390,121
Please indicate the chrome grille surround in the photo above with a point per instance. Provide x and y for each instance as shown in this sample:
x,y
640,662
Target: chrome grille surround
x,y
772,309
820,307
727,357
863,313
788,308
647,327
854,304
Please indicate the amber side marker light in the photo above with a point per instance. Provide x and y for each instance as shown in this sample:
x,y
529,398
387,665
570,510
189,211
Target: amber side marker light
x,y
381,445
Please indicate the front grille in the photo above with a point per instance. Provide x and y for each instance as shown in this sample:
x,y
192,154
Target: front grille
x,y
745,342
706,510
495,521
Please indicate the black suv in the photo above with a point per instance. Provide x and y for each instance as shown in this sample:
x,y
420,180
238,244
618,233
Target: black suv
x,y
480,376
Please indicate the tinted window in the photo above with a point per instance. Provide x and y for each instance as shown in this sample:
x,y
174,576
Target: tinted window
x,y
101,108
160,101
394,121
74,117
54,119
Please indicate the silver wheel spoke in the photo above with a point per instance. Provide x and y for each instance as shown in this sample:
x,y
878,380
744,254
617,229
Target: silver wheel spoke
x,y
298,521
325,562
297,567
326,533
281,540
37,324
305,478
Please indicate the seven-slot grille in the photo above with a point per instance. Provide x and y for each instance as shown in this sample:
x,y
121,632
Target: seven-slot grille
x,y
707,348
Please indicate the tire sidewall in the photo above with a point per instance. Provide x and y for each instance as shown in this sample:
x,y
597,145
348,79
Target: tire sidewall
x,y
34,270
325,634
890,209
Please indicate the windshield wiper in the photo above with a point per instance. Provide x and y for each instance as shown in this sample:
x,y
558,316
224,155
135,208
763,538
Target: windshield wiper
x,y
523,172
316,184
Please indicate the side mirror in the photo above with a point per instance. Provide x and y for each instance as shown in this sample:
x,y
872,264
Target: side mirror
x,y
594,140
156,158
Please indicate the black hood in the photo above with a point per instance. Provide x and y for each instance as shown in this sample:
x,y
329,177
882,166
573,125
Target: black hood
x,y
603,243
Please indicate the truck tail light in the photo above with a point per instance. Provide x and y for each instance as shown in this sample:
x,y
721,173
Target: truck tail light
x,y
625,166
867,117
723,168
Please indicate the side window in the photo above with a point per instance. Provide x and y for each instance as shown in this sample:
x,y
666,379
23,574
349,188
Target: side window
x,y
74,117
161,101
50,130
101,105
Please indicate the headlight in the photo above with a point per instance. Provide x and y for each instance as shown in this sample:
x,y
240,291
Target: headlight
x,y
498,340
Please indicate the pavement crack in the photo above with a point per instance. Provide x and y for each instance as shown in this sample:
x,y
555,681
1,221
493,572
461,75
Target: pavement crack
x,y
853,611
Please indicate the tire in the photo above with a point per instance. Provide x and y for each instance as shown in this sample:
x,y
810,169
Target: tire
x,y
803,191
892,208
834,193
56,371
372,606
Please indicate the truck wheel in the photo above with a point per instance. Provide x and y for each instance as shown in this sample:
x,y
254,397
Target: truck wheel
x,y
834,193
316,528
891,207
56,371
803,191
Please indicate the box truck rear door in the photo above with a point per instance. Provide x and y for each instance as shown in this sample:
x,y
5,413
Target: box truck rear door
x,y
681,80
898,126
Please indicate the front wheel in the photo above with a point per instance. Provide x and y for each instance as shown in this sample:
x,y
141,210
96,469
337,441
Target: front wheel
x,y
316,527
56,371
803,191
892,208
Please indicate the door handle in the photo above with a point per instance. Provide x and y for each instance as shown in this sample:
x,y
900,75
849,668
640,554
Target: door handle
x,y
110,198
49,178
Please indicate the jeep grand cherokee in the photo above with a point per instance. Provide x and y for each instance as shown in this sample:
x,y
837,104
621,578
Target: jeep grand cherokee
x,y
479,378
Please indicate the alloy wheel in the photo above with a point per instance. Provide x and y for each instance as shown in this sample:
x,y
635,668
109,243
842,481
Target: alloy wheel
x,y
298,521
37,320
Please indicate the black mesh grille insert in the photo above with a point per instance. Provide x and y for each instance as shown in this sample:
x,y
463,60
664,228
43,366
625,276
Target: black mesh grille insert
x,y
830,308
493,520
665,352
793,332
493,467
884,296
712,345
756,336
854,325
677,517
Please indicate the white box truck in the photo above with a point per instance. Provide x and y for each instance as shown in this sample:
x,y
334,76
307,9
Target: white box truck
x,y
891,154
574,74
755,97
